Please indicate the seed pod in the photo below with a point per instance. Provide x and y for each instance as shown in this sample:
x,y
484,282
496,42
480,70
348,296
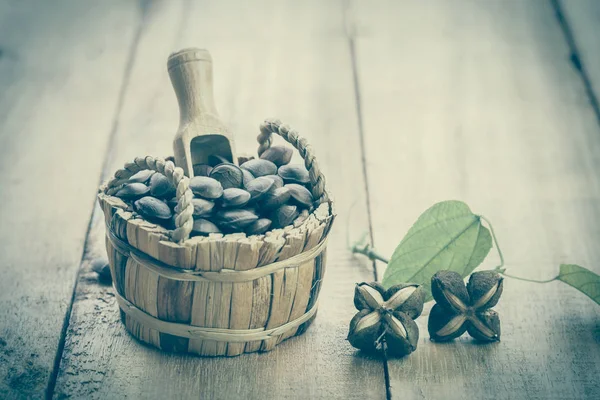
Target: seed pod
x,y
448,290
214,160
132,191
364,330
485,289
300,195
258,187
102,268
204,227
153,209
234,220
406,298
246,177
485,326
278,155
202,208
284,216
403,334
444,325
277,181
160,186
368,296
259,167
229,175
258,227
205,187
202,170
234,197
275,198
142,176
294,173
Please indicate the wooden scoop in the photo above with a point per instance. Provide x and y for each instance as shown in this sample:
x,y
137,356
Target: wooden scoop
x,y
201,133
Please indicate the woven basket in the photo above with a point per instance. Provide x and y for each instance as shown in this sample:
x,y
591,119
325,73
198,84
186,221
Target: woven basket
x,y
223,294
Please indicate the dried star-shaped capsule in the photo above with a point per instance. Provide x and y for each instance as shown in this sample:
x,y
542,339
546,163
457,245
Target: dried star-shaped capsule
x,y
386,314
461,308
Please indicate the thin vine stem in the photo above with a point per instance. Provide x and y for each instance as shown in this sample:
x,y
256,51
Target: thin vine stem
x,y
489,224
527,279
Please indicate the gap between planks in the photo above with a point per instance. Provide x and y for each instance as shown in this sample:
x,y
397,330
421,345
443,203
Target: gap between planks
x,y
350,33
103,174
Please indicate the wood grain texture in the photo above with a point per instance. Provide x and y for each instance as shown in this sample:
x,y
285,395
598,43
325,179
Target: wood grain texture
x,y
477,101
265,65
56,112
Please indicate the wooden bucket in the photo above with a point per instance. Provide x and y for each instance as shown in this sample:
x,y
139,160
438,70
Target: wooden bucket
x,y
221,295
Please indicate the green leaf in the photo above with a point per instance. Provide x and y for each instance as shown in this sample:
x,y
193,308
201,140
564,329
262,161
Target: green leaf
x,y
581,279
446,236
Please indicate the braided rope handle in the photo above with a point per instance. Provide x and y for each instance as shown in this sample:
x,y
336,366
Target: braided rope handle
x,y
291,136
184,220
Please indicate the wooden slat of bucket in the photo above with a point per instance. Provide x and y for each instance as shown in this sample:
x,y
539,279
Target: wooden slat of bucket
x,y
145,294
261,288
284,286
219,299
174,298
305,275
241,295
201,289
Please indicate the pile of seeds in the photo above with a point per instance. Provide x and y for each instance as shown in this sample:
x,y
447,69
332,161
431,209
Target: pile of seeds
x,y
259,195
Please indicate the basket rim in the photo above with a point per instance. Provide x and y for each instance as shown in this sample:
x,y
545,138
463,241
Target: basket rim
x,y
153,240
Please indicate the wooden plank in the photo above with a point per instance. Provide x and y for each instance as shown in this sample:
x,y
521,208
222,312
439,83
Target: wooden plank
x,y
57,104
582,18
477,101
272,58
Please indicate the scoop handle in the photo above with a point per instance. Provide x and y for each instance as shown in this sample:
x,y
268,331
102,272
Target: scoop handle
x,y
191,74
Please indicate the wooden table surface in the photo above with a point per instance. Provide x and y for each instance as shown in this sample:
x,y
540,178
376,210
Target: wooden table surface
x,y
406,103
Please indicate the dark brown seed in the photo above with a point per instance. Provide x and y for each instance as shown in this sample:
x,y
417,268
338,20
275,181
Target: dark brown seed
x,y
215,160
132,191
142,177
260,167
160,186
277,180
299,195
202,208
258,227
275,198
258,187
229,175
278,155
247,177
205,187
234,197
284,216
235,220
101,267
202,169
294,173
204,227
153,209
